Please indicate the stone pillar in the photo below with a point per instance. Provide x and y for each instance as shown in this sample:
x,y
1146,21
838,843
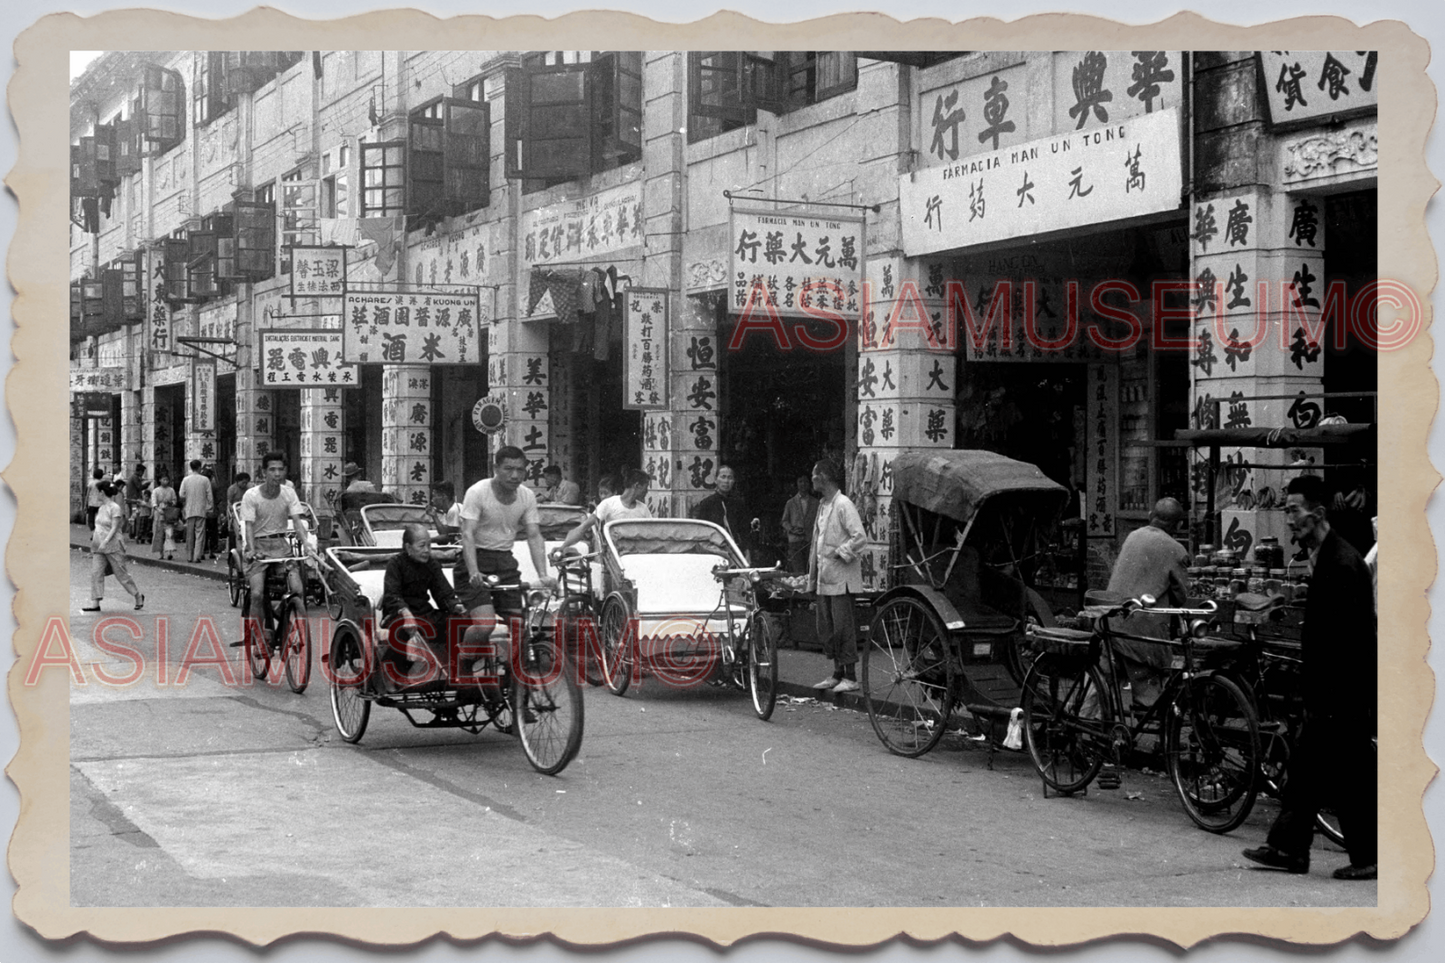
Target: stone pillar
x,y
321,432
693,425
406,432
1257,258
132,441
255,425
905,395
523,378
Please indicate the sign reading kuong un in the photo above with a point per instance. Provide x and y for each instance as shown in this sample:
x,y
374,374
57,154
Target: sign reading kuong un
x,y
400,327
803,264
1074,179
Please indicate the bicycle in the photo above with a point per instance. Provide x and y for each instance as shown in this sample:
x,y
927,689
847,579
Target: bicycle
x,y
286,610
750,653
577,607
1076,716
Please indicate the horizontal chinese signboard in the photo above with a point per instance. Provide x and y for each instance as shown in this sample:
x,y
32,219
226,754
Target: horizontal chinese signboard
x,y
644,332
1309,84
1070,180
304,359
318,272
403,327
98,379
203,396
584,229
798,261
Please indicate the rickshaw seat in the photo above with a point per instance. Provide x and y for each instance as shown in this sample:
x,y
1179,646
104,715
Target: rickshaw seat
x,y
673,583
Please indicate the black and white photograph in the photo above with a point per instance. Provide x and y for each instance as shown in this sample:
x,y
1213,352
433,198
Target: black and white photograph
x,y
680,480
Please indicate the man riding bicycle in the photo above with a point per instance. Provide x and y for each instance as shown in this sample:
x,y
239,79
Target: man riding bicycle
x,y
492,512
265,511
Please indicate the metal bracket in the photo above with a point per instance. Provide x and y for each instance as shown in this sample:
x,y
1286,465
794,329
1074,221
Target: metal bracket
x,y
196,344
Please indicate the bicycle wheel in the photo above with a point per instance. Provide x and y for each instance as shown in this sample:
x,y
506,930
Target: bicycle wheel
x,y
762,656
235,579
617,654
907,677
296,637
1211,744
1068,721
576,642
548,709
258,652
349,710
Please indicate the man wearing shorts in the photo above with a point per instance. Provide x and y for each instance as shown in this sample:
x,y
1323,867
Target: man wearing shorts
x,y
493,510
265,510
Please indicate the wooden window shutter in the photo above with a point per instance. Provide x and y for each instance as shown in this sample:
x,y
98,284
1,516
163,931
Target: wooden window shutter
x,y
112,286
425,180
84,174
163,104
616,84
127,147
176,253
383,179
255,239
467,155
553,139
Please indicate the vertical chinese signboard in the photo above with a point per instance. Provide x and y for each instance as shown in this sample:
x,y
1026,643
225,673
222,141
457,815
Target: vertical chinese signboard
x,y
805,265
1101,492
402,327
644,368
318,272
203,396
293,358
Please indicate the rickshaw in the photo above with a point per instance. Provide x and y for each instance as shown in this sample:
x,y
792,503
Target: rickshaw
x,y
968,531
236,565
682,604
536,698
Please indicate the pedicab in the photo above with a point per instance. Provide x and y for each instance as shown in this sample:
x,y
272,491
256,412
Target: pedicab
x,y
535,697
968,531
683,605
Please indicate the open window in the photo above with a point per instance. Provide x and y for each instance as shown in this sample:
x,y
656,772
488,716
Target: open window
x,y
162,104
248,71
175,257
726,88
212,94
572,113
87,308
299,227
129,142
254,238
202,257
448,159
383,179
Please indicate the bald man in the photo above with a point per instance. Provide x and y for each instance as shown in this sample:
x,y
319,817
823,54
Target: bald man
x,y
1152,562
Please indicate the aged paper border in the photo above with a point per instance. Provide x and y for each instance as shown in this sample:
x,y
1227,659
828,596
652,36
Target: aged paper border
x,y
36,392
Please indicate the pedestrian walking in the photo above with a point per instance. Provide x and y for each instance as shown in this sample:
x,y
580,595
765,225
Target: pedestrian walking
x,y
107,549
835,573
195,504
1334,758
165,513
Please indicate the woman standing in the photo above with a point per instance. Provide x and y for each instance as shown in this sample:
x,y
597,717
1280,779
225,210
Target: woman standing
x,y
164,513
107,549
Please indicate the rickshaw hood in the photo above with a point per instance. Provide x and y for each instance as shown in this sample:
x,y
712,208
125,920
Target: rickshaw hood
x,y
958,482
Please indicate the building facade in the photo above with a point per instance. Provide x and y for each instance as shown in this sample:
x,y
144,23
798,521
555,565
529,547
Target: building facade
x,y
678,260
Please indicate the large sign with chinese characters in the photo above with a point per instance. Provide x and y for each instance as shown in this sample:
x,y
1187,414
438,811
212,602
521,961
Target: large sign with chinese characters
x,y
797,261
585,229
1070,180
203,396
98,379
1304,85
318,272
402,327
644,336
304,359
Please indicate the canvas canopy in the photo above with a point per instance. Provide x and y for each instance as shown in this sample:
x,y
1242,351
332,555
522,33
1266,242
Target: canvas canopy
x,y
956,483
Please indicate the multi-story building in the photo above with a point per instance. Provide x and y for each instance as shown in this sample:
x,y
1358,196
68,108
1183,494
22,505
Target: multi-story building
x,y
674,260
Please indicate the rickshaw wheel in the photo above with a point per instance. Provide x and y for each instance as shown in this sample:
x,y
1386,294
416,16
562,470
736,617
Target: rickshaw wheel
x,y
254,633
1068,719
235,579
349,710
296,637
573,611
763,664
908,677
547,709
1211,742
617,666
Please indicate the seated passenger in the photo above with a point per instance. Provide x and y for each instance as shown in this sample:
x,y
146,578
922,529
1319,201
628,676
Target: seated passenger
x,y
413,580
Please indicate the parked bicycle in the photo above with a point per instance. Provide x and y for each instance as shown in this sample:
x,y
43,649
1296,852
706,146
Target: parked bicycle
x,y
1077,717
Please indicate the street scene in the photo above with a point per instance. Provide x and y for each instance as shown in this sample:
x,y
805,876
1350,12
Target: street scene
x,y
725,478
209,795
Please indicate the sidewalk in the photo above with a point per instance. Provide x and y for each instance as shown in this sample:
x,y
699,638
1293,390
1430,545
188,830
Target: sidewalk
x,y
798,669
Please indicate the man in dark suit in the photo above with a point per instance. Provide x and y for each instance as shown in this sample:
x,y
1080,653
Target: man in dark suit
x,y
1333,759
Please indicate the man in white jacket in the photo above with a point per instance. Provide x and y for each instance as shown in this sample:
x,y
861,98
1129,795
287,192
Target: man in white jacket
x,y
835,574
